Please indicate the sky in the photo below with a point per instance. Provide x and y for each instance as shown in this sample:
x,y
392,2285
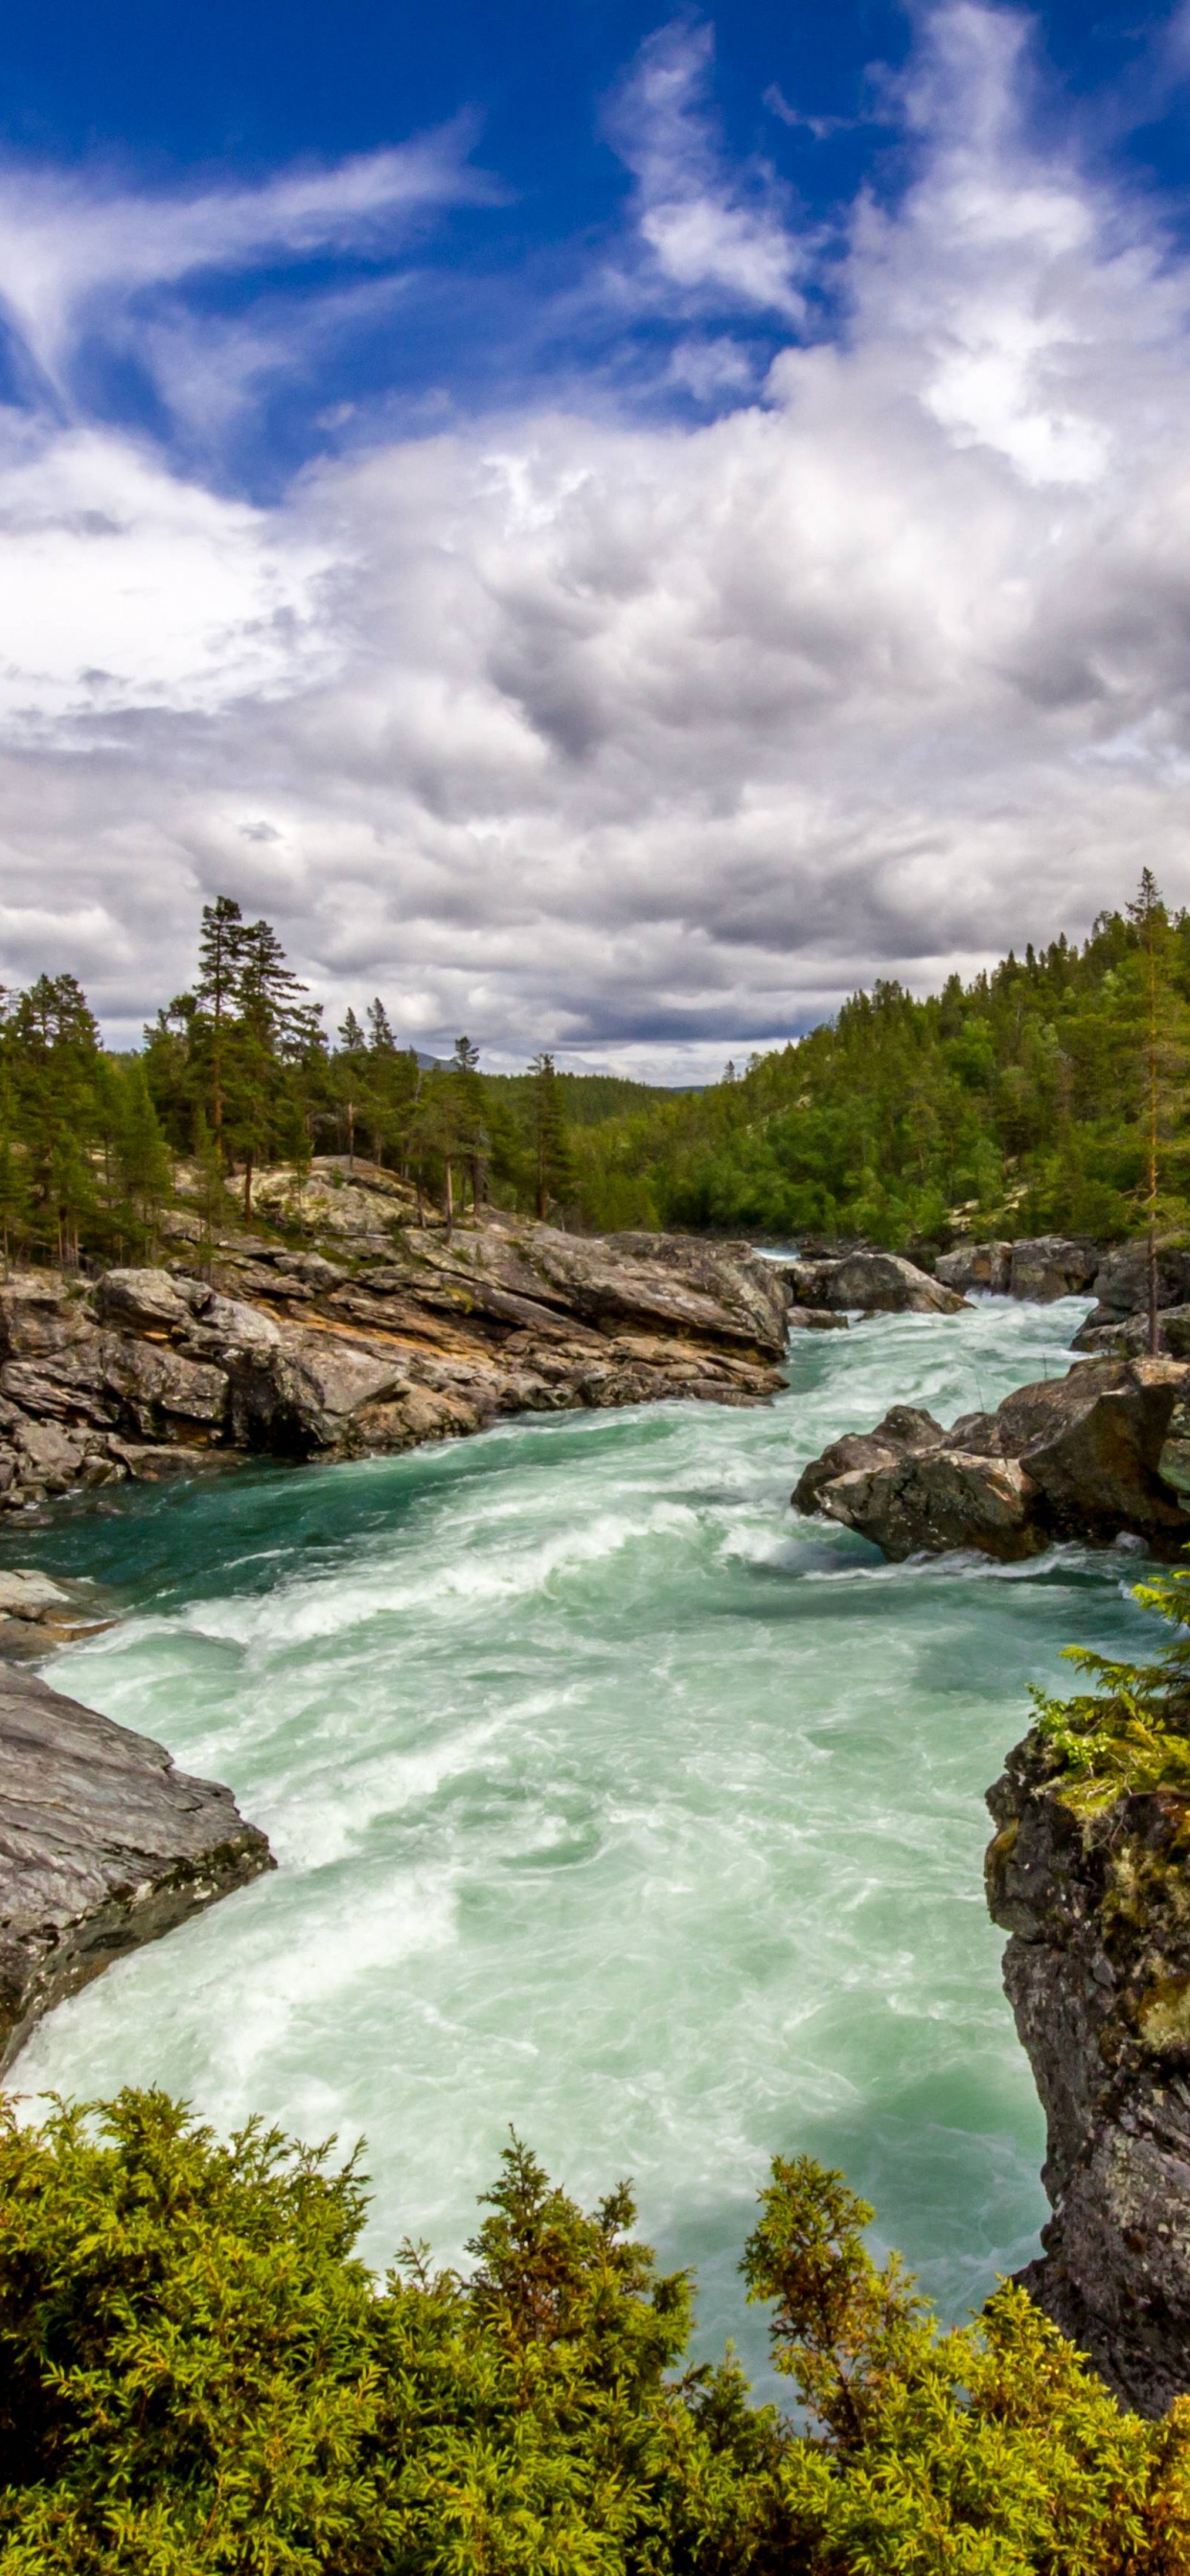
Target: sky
x,y
610,527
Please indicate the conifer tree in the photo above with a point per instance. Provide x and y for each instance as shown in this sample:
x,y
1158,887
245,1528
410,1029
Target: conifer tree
x,y
552,1164
220,951
1164,1026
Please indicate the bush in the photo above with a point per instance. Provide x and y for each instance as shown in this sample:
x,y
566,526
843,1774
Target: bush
x,y
200,2374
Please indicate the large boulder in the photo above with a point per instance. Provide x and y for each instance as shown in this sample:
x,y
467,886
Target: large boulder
x,y
141,1301
1122,1281
905,1427
938,1499
877,1283
1130,1339
103,1846
1046,1266
39,1312
1101,1451
986,1266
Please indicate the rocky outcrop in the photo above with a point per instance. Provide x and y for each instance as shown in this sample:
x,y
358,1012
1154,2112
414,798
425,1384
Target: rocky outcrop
x,y
1130,1339
103,1846
1122,1282
874,1283
979,1266
1039,1266
1104,1450
1047,1266
1096,1895
297,1354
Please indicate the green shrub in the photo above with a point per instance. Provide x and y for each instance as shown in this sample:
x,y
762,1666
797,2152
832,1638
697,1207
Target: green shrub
x,y
199,2374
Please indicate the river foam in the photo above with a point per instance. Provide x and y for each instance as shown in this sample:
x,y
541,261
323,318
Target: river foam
x,y
610,1800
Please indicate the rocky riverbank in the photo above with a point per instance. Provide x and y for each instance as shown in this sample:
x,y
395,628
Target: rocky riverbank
x,y
1089,1876
103,1846
340,1350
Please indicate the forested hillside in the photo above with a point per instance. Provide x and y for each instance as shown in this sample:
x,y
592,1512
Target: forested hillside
x,y
1021,1101
1015,1103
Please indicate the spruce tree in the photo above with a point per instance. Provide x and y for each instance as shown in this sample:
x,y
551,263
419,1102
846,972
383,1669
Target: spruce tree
x,y
553,1169
220,951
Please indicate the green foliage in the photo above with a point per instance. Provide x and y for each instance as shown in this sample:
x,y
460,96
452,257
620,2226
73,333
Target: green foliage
x,y
1021,1101
1034,1097
197,2373
1134,1732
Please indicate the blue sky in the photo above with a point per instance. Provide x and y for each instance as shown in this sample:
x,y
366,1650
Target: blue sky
x,y
611,525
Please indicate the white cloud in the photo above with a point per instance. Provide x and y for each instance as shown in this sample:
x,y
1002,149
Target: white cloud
x,y
652,741
76,250
703,226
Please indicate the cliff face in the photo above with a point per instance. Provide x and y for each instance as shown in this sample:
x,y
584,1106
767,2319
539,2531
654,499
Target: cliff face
x,y
373,1343
103,1846
1094,1888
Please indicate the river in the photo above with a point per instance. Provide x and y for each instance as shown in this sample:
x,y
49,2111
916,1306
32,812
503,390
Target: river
x,y
610,1800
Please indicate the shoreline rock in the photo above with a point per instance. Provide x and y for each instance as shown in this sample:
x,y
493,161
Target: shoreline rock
x,y
874,1283
293,1354
1102,1452
104,1845
1097,1970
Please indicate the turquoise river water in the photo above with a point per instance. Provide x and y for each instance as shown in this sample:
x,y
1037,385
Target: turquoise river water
x,y
610,1800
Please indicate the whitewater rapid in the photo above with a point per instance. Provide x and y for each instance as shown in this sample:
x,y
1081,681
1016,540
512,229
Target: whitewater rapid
x,y
610,1800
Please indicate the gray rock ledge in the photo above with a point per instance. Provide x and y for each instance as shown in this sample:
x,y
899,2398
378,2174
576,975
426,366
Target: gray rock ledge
x,y
103,1846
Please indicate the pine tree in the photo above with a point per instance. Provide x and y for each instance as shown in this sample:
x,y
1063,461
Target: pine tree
x,y
467,1091
552,1164
220,952
1164,1026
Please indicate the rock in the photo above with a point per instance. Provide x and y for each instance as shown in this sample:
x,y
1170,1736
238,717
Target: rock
x,y
1093,1442
160,1390
141,1301
48,1455
335,1197
905,1427
1098,1974
1122,1281
288,1353
29,1595
149,1461
40,1312
939,1499
1102,1451
1130,1340
976,1265
814,1319
884,1283
103,1846
1046,1266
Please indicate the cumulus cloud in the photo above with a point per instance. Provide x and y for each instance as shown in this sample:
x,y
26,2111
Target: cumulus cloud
x,y
650,742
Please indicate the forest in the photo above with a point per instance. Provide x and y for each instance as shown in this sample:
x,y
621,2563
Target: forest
x,y
1031,1098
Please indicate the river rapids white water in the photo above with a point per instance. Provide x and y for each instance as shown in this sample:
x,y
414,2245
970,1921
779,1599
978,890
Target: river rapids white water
x,y
611,1800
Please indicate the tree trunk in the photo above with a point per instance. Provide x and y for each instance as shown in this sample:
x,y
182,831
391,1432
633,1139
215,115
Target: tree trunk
x,y
1154,1319
248,1187
450,1201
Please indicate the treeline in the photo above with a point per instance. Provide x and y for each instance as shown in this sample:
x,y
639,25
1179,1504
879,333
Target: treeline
x,y
1015,1104
238,1074
1022,1101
